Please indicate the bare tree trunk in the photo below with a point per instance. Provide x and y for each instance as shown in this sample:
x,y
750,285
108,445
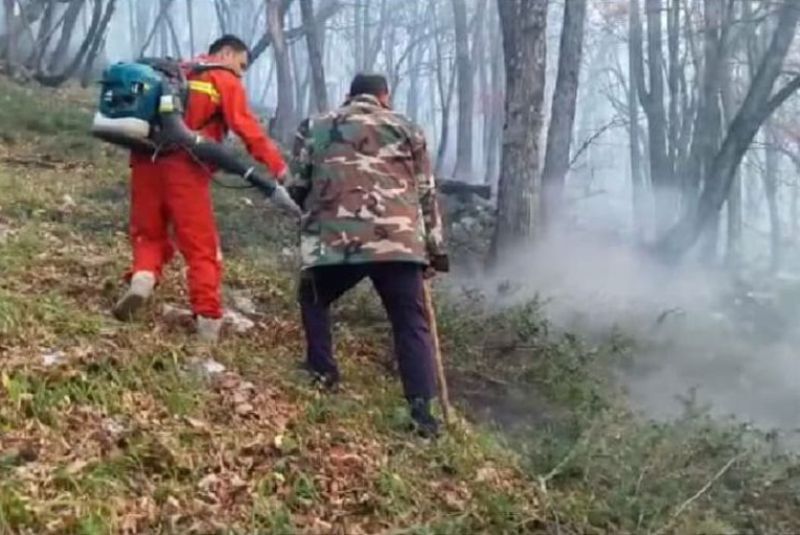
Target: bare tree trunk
x,y
638,186
93,39
794,212
59,56
98,43
562,115
445,86
190,23
734,249
43,37
132,26
176,43
222,15
10,37
482,58
524,24
653,103
412,97
301,77
314,56
770,178
374,46
143,15
496,99
734,246
286,107
358,39
708,128
466,93
759,103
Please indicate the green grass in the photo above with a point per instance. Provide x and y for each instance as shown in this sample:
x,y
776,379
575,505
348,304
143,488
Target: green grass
x,y
602,467
125,432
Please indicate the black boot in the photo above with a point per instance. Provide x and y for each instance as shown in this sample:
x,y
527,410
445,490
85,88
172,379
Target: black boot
x,y
425,424
327,381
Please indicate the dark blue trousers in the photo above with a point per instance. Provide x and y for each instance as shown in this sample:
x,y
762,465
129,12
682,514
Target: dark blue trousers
x,y
400,287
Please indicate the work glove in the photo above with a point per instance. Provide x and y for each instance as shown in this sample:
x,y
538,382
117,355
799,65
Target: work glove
x,y
440,263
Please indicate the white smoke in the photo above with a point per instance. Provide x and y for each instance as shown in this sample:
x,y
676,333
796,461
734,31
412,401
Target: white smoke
x,y
698,331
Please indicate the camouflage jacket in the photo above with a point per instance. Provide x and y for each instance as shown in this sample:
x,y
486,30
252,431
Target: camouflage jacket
x,y
363,177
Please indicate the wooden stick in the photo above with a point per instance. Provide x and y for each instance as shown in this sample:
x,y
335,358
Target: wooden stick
x,y
444,398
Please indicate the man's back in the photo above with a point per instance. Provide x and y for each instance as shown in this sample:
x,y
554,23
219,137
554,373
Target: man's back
x,y
365,168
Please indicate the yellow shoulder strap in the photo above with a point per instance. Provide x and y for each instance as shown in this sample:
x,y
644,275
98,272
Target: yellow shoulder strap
x,y
206,88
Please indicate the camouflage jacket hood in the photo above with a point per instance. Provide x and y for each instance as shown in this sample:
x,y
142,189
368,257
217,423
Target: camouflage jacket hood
x,y
365,180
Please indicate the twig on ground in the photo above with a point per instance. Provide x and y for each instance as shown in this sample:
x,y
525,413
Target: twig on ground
x,y
685,505
543,480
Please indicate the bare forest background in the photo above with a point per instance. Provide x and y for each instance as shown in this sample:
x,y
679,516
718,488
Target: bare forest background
x,y
666,123
621,186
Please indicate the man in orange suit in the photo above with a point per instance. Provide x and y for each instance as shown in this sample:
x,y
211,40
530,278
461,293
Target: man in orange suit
x,y
174,190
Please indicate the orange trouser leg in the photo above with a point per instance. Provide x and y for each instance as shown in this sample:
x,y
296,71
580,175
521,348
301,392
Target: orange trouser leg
x,y
149,219
188,194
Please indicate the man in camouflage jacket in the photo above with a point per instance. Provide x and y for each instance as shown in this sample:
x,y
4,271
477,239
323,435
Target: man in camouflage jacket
x,y
363,177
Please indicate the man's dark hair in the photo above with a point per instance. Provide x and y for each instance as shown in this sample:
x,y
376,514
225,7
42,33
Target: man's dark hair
x,y
370,84
229,41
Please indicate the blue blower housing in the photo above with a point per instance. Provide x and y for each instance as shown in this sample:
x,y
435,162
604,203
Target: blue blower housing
x,y
130,90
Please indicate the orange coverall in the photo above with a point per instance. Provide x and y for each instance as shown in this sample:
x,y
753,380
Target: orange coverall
x,y
175,190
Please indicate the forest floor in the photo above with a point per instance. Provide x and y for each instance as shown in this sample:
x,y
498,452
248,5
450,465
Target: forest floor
x,y
109,428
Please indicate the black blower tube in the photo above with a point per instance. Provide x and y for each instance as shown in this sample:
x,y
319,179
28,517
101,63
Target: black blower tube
x,y
174,131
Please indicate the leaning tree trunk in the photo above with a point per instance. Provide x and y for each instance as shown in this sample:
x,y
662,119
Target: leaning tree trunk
x,y
562,115
10,37
59,57
758,105
466,93
523,24
285,112
314,56
770,178
94,35
98,43
43,38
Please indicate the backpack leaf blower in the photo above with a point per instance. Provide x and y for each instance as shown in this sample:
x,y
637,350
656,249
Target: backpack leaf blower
x,y
141,108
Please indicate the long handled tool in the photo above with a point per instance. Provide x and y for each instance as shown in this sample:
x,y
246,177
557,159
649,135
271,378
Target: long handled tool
x,y
444,398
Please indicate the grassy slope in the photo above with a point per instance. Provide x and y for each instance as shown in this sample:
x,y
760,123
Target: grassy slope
x,y
125,434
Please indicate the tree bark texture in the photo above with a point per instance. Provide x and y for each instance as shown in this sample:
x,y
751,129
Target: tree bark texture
x,y
313,43
523,24
466,93
283,128
562,114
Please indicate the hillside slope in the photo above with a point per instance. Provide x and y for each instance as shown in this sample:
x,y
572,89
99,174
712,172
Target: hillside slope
x,y
108,428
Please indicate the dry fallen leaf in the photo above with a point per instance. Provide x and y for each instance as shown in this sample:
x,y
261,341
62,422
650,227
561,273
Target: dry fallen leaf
x,y
75,466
